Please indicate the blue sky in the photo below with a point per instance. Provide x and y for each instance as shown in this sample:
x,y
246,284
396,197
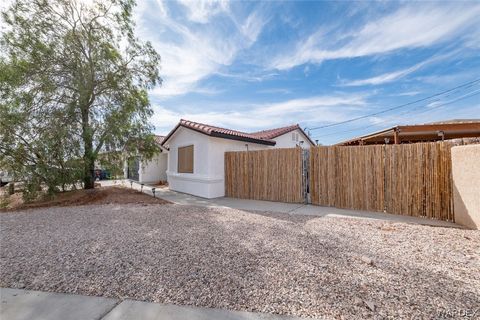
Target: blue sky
x,y
256,65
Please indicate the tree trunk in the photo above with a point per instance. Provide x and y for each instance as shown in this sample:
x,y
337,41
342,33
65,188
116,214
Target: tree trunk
x,y
89,167
11,187
89,161
88,155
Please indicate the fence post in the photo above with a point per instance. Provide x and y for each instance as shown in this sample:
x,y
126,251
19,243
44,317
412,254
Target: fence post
x,y
384,178
305,174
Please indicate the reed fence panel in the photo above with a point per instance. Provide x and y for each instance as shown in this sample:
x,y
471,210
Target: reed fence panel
x,y
274,175
408,179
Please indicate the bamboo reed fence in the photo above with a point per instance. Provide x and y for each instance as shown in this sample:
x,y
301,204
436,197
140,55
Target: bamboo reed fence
x,y
274,175
408,179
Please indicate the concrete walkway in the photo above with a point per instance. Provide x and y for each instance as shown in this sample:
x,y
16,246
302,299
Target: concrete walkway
x,y
16,304
290,208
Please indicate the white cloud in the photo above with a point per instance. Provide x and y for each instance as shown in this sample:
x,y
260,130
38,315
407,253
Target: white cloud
x,y
393,76
407,94
381,79
312,104
252,26
250,76
202,10
192,52
413,26
275,91
255,117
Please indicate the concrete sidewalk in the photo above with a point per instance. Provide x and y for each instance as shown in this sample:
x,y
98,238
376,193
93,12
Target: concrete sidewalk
x,y
290,208
16,304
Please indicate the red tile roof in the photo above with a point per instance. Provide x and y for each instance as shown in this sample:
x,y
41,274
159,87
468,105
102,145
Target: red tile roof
x,y
273,133
261,137
219,132
159,139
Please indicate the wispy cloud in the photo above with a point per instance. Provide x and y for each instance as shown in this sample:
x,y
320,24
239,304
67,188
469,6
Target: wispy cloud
x,y
413,26
202,10
395,75
191,51
381,79
251,117
407,94
275,90
250,76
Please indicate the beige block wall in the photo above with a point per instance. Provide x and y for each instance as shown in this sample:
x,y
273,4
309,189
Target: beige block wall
x,y
466,185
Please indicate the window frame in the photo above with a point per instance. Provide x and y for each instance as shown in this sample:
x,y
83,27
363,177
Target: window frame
x,y
184,169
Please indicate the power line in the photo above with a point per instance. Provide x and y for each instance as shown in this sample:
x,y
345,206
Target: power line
x,y
397,107
471,94
468,95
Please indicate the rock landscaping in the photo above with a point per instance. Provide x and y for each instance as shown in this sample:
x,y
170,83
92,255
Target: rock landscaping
x,y
330,268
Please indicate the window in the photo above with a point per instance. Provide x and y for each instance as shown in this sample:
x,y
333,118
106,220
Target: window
x,y
296,137
293,136
185,159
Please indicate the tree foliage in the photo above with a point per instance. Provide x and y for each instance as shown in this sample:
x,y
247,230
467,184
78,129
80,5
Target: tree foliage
x,y
73,84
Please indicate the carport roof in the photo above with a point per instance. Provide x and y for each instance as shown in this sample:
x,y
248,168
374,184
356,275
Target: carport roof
x,y
436,131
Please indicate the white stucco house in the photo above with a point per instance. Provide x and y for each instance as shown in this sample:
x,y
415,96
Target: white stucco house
x,y
196,153
148,172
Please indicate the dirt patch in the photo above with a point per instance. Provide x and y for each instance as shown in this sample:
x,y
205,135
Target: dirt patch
x,y
102,195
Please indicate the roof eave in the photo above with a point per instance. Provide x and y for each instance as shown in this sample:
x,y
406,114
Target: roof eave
x,y
240,138
306,135
218,135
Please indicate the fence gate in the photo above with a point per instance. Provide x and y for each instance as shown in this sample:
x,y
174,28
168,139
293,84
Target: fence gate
x,y
306,175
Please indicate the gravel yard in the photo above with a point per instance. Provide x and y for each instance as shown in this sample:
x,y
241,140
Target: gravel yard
x,y
226,258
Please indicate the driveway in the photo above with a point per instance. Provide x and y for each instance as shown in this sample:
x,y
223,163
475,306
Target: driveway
x,y
270,206
243,260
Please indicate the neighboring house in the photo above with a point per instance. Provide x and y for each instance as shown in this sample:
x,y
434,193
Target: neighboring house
x,y
429,132
196,153
149,172
5,178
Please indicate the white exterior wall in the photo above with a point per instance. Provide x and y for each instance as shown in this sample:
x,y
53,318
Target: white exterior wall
x,y
217,149
208,177
154,170
285,140
196,183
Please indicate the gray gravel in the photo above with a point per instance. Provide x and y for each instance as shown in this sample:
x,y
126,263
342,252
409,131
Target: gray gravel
x,y
226,258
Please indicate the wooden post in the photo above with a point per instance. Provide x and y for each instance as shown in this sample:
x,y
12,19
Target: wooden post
x,y
396,137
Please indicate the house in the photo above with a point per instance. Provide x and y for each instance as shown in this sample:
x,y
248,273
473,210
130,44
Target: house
x,y
148,172
5,178
429,132
196,153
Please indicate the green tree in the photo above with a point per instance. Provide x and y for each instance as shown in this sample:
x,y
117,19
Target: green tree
x,y
73,81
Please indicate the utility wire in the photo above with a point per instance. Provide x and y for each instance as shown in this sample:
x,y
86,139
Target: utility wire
x,y
397,107
468,95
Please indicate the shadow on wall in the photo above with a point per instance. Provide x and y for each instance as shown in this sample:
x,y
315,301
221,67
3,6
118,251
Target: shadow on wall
x,y
463,215
466,186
